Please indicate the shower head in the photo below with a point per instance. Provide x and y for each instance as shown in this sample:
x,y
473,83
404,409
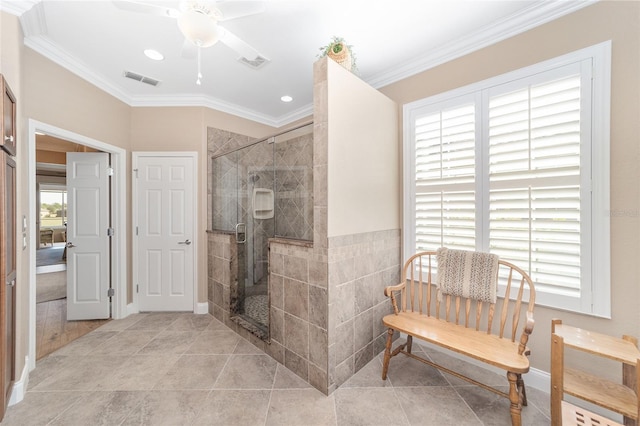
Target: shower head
x,y
253,178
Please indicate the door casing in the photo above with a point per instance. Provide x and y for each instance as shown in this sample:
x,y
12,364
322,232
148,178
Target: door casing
x,y
120,308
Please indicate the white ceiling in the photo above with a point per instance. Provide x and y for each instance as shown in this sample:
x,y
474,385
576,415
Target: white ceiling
x,y
392,39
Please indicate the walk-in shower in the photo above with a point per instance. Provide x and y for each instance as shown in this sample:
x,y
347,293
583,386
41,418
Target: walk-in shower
x,y
260,191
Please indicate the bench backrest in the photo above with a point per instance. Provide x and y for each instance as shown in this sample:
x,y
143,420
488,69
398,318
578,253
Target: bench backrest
x,y
420,295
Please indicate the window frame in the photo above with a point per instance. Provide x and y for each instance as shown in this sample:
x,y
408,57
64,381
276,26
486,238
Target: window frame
x,y
595,291
55,188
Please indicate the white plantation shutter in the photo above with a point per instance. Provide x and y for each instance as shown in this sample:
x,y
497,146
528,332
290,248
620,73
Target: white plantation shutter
x,y
506,166
445,178
534,178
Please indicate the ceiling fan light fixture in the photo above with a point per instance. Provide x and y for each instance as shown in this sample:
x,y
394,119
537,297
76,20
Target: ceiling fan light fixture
x,y
198,28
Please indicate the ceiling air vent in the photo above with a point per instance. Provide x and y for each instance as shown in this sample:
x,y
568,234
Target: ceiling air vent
x,y
141,78
258,62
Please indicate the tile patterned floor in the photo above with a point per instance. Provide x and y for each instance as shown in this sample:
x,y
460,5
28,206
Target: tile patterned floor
x,y
185,369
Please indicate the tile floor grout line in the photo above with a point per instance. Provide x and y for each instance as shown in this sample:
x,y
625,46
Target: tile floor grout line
x,y
66,409
373,385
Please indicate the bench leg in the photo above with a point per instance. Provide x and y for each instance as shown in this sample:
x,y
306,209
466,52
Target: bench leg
x,y
387,354
514,398
522,390
409,343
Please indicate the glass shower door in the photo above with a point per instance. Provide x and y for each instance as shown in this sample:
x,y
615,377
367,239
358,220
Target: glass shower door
x,y
243,203
256,217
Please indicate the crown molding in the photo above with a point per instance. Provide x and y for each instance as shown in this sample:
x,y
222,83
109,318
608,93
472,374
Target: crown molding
x,y
34,27
34,22
508,27
17,8
197,100
298,114
47,48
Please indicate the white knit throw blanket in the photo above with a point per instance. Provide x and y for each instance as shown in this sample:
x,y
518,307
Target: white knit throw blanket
x,y
468,274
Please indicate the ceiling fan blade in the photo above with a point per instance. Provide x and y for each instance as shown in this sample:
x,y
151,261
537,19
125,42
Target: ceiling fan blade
x,y
152,9
237,44
238,9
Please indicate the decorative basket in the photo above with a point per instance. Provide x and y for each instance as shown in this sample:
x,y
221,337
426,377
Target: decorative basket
x,y
341,53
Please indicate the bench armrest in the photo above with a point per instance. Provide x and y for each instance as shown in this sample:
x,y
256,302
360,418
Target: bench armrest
x,y
528,329
388,291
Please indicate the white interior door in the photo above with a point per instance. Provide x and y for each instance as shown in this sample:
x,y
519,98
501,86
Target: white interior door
x,y
87,238
165,206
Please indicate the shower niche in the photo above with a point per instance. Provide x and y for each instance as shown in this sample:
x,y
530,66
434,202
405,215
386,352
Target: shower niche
x,y
259,191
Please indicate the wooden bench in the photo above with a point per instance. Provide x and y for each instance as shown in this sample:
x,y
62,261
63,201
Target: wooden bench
x,y
466,326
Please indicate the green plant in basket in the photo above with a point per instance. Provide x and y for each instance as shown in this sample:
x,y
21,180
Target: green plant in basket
x,y
341,52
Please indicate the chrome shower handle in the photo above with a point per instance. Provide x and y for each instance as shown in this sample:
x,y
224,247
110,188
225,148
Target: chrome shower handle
x,y
241,229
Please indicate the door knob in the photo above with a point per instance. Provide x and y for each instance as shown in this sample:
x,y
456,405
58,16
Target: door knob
x,y
8,138
70,245
187,242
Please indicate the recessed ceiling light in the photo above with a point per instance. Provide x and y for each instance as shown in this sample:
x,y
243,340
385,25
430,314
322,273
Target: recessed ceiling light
x,y
154,54
286,98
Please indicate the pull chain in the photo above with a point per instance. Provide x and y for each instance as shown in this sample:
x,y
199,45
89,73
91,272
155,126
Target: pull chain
x,y
199,80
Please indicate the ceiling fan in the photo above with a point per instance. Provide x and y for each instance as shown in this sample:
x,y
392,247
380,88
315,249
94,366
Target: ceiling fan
x,y
198,21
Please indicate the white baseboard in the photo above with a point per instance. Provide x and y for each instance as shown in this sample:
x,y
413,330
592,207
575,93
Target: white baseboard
x,y
20,386
132,309
201,308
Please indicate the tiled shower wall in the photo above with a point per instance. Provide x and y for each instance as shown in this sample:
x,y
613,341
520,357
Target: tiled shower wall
x,y
222,273
294,187
299,310
287,163
326,311
221,251
360,267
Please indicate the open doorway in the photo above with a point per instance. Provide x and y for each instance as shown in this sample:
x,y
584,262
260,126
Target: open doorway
x,y
117,208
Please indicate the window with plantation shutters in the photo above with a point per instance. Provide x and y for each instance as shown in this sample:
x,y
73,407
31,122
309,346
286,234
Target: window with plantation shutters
x,y
511,166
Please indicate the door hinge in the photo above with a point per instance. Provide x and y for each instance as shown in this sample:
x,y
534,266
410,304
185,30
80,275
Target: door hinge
x,y
109,171
136,230
111,292
110,232
136,171
137,288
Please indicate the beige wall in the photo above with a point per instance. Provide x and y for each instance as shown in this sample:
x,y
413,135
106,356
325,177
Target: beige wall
x,y
362,158
617,21
57,97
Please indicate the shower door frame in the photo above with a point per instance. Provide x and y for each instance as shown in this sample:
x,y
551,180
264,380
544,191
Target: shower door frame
x,y
245,235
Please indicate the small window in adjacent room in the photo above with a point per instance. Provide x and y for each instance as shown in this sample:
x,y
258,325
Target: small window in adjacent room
x,y
518,165
53,208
